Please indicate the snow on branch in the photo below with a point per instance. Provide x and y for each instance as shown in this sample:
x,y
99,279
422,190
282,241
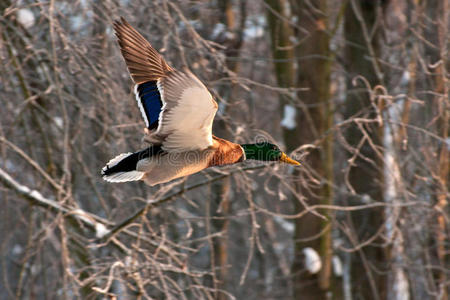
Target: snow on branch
x,y
36,198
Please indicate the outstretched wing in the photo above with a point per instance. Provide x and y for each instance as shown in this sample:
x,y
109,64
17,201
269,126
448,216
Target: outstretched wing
x,y
146,66
177,108
143,61
149,101
188,113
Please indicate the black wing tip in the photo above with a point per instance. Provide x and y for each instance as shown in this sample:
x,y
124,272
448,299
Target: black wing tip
x,y
106,170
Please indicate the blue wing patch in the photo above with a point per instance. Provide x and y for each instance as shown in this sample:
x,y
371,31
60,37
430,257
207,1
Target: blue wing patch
x,y
149,101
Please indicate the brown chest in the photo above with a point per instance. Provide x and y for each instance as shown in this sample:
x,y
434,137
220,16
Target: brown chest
x,y
226,153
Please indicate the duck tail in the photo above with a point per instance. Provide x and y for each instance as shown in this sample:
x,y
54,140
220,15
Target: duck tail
x,y
123,168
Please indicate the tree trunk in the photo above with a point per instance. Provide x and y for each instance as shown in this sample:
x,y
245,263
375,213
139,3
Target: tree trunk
x,y
221,206
313,118
436,51
365,175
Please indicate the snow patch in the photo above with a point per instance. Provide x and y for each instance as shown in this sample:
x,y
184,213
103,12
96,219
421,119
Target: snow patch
x,y
312,260
76,23
217,30
401,286
26,17
100,230
281,196
366,199
254,27
337,265
406,76
229,35
17,249
34,269
286,225
240,129
289,115
36,194
221,108
197,25
278,247
9,165
82,216
59,122
293,39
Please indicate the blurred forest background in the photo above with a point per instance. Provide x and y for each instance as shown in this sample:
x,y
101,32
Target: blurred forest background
x,y
358,90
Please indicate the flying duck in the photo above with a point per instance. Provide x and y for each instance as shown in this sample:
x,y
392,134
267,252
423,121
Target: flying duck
x,y
178,112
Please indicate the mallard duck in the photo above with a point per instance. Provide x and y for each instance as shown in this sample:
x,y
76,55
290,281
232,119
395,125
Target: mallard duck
x,y
178,112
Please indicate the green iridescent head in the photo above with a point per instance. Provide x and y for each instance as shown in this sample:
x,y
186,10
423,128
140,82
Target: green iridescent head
x,y
266,152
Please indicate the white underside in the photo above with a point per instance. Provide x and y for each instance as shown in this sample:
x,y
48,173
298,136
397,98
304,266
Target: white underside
x,y
124,176
161,169
173,166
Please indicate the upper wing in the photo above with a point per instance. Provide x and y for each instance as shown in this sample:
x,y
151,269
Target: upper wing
x,y
188,111
176,106
146,66
143,61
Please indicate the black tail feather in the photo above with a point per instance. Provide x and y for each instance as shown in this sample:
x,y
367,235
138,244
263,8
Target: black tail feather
x,y
129,163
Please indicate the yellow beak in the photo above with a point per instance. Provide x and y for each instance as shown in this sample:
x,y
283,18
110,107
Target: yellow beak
x,y
286,159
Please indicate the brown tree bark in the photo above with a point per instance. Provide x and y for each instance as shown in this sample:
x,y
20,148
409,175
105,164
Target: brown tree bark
x,y
437,22
314,118
362,35
221,206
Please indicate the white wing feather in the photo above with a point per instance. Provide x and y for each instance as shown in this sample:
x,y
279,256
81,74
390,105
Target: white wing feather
x,y
190,122
187,115
139,103
124,176
121,176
